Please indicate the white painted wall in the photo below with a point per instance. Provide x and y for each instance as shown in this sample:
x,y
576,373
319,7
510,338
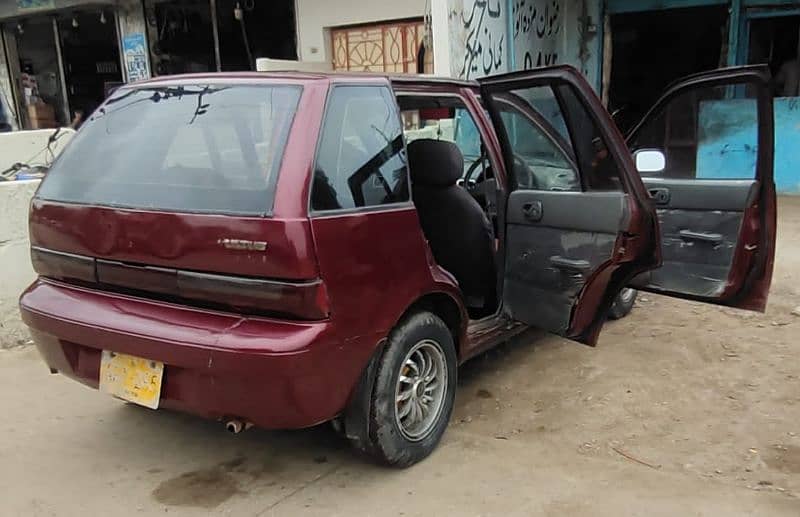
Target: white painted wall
x,y
31,147
15,261
544,32
441,38
314,17
266,64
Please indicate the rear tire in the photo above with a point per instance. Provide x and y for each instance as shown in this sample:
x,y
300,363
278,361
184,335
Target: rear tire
x,y
413,392
623,304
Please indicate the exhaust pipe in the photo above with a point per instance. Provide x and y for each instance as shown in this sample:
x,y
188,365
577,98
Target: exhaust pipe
x,y
237,426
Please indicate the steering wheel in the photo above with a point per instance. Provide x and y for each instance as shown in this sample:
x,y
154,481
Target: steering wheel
x,y
471,170
520,167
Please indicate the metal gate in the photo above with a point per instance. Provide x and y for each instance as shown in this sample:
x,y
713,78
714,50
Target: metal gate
x,y
390,47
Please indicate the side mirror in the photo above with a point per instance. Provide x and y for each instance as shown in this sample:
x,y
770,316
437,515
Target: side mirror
x,y
650,160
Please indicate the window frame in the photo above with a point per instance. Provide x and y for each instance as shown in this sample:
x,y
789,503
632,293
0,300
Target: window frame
x,y
549,132
388,207
554,78
485,138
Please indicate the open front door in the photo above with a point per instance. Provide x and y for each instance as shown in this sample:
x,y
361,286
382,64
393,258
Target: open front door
x,y
705,153
578,223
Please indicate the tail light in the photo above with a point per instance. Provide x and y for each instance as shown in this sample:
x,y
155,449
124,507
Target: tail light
x,y
307,300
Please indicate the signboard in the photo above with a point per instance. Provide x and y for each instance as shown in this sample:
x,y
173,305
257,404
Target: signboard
x,y
539,33
134,50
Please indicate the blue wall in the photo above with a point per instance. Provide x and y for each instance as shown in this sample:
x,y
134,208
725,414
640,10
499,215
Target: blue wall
x,y
727,141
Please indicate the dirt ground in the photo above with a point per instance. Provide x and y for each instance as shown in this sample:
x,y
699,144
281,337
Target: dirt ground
x,y
682,409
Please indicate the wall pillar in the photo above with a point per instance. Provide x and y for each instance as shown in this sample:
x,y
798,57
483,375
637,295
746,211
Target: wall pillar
x,y
441,38
6,91
131,20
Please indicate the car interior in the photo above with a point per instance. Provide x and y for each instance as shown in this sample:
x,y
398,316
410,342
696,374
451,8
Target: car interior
x,y
452,189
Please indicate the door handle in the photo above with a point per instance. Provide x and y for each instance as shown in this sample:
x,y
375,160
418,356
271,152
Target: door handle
x,y
712,238
533,211
660,195
567,264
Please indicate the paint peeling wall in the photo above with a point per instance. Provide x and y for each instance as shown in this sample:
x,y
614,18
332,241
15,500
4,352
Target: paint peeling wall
x,y
14,257
540,32
727,148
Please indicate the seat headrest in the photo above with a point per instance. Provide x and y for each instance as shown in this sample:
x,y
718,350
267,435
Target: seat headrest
x,y
435,163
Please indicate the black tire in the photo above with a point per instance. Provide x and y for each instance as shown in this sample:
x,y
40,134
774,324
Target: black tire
x,y
623,304
385,441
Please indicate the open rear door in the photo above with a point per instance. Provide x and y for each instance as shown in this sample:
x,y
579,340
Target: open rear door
x,y
578,223
705,153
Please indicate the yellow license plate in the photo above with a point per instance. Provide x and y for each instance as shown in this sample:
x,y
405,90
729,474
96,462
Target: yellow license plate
x,y
131,378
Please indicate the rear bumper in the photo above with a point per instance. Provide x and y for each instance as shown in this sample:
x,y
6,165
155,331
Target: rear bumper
x,y
276,374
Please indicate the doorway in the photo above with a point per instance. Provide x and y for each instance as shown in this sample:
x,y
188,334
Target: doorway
x,y
249,30
40,82
652,49
183,34
90,52
775,41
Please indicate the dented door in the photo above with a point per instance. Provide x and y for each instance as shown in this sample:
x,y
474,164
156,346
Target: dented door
x,y
712,187
578,223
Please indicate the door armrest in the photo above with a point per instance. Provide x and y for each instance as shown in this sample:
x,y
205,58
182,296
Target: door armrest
x,y
688,235
569,264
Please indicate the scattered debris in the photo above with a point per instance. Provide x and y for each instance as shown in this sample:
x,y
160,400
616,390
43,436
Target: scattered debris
x,y
637,460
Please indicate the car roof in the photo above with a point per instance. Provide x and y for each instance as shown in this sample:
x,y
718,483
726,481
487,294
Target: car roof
x,y
303,77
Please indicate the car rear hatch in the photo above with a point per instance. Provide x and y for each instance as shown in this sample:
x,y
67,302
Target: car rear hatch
x,y
167,193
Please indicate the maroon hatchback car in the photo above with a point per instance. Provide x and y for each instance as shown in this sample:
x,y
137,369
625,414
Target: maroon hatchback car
x,y
286,249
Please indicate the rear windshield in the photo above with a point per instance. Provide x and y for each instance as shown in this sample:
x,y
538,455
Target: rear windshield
x,y
179,148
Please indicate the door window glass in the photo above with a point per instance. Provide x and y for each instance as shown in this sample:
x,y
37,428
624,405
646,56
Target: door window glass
x,y
703,133
361,159
197,148
555,142
542,151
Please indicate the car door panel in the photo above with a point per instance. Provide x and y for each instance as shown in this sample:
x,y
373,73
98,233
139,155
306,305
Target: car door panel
x,y
717,232
568,246
550,260
697,244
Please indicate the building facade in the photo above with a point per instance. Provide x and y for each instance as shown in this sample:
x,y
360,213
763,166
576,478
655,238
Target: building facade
x,y
58,58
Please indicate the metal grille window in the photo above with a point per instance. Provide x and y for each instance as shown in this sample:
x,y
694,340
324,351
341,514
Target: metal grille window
x,y
386,47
